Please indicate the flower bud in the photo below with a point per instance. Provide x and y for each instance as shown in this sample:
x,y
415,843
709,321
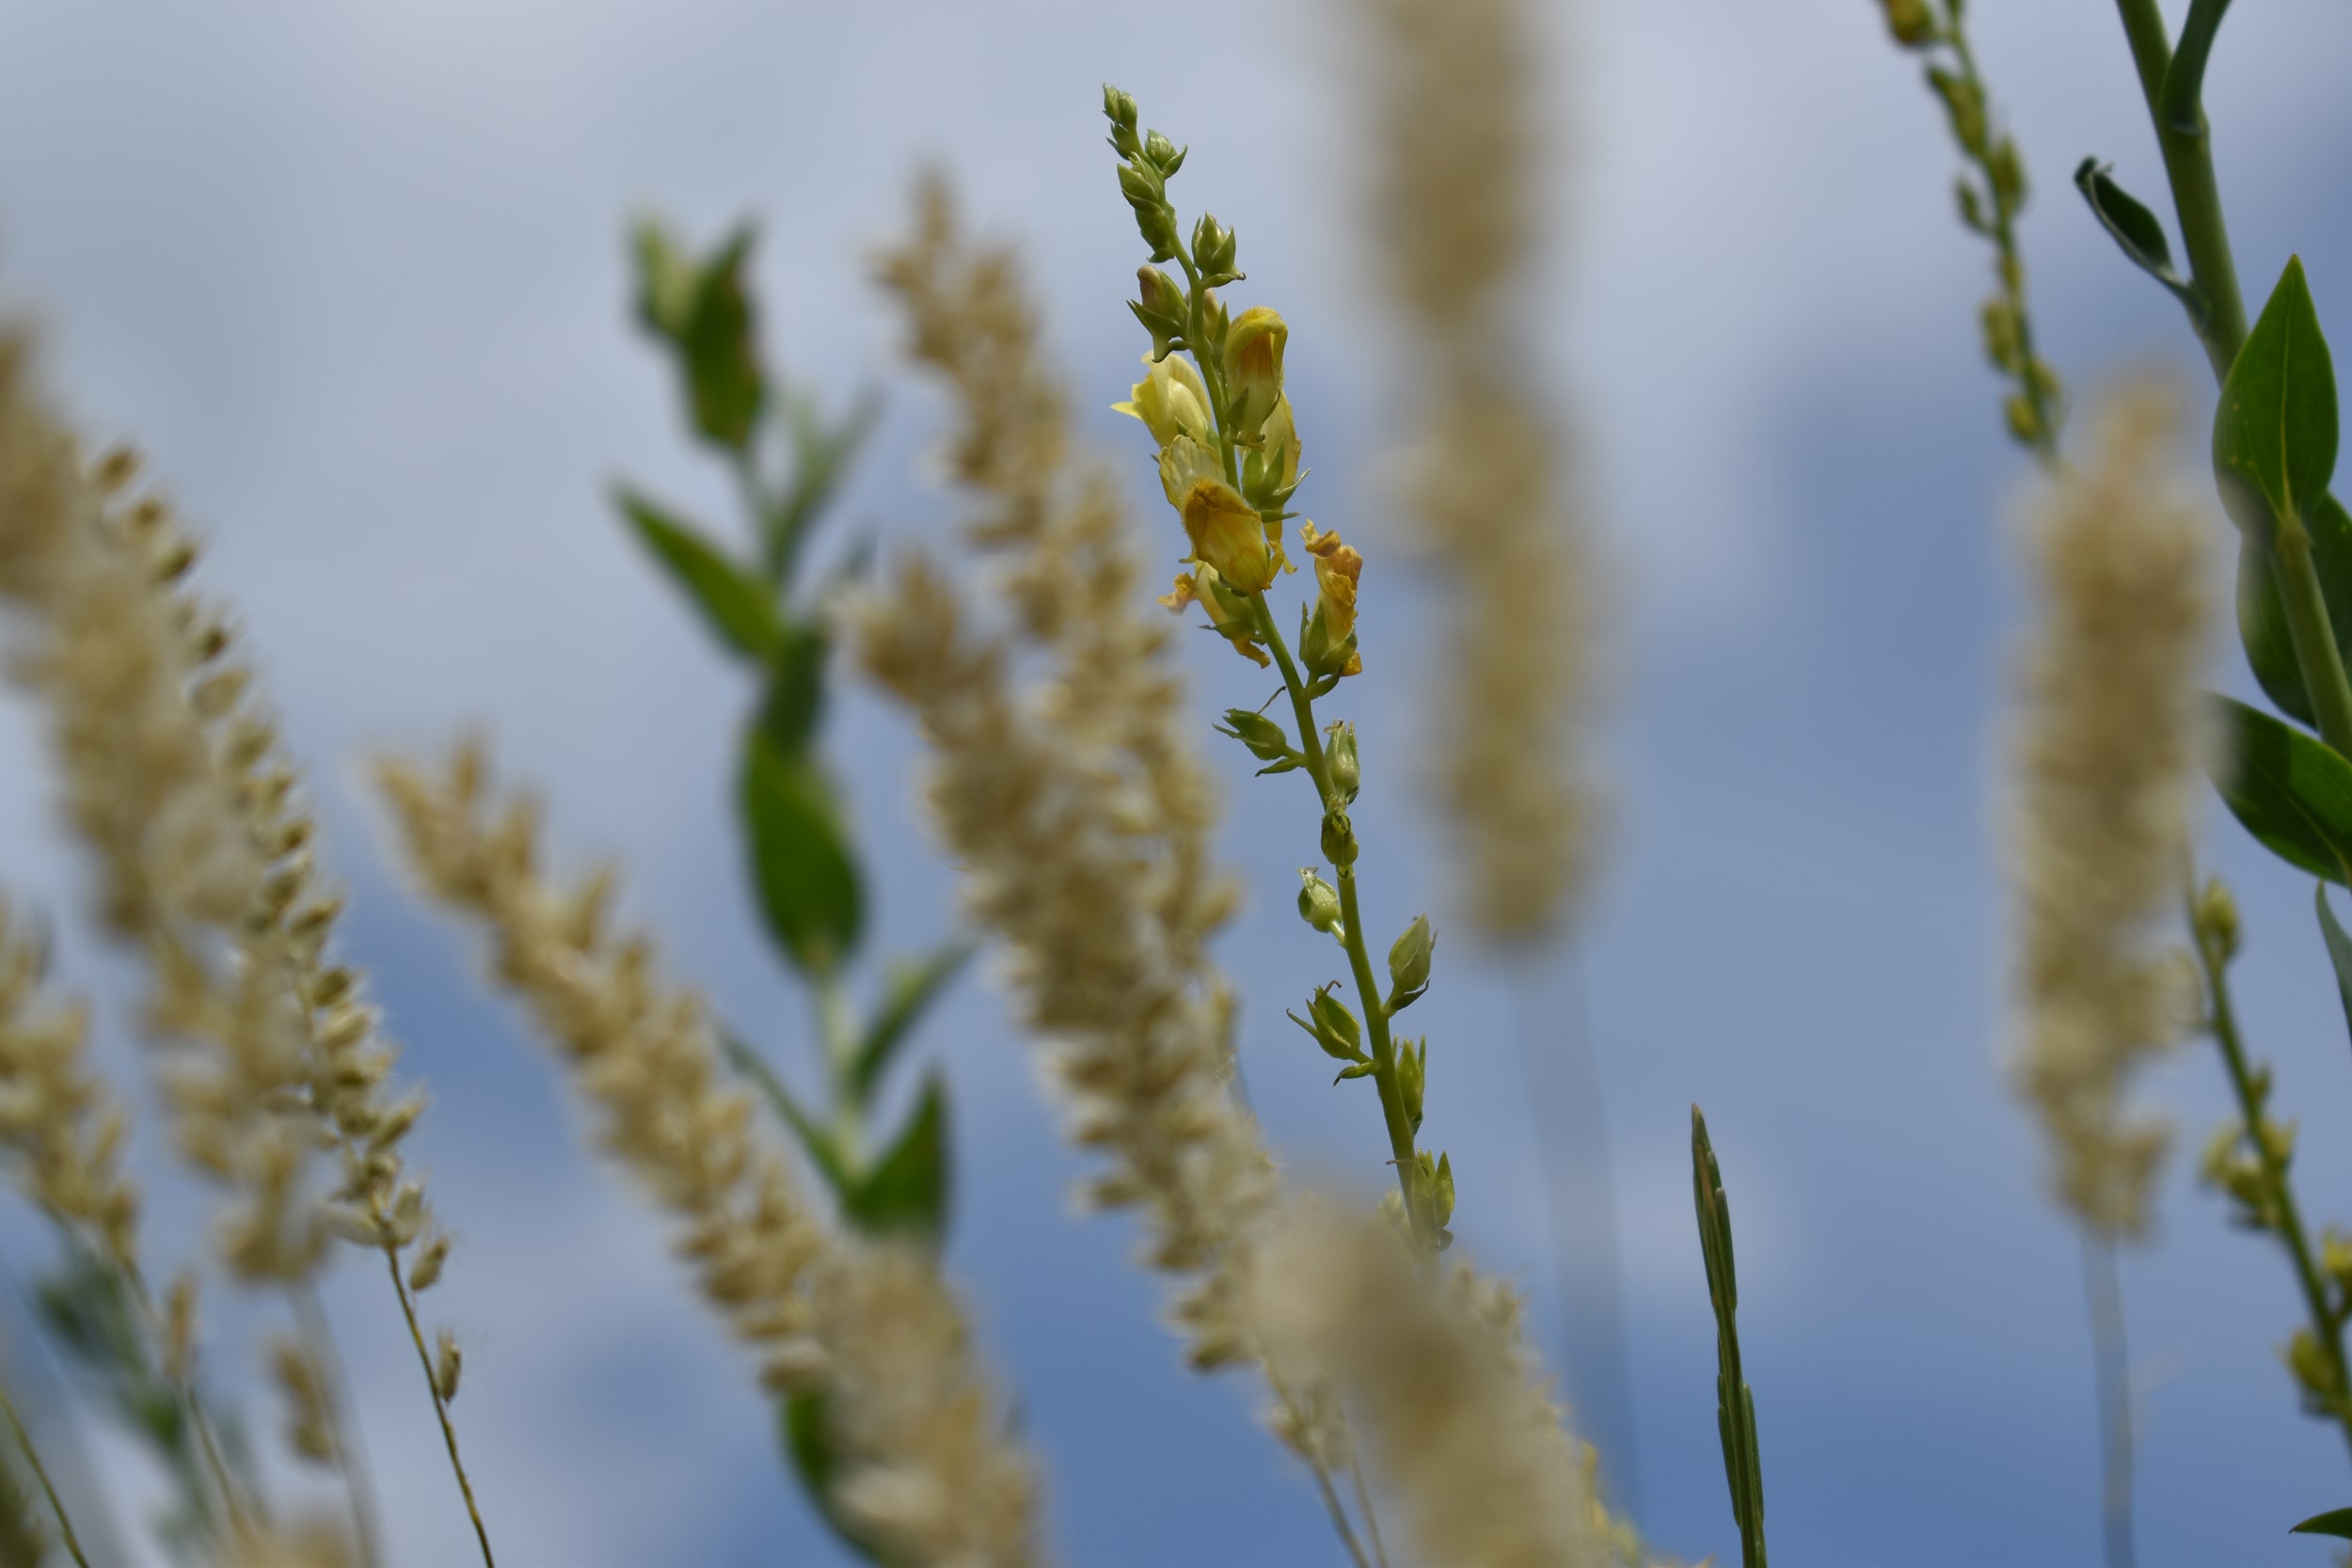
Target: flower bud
x,y
1270,473
1338,750
1170,401
2216,917
1910,20
1119,109
1162,154
1333,1028
1408,963
1262,735
1318,901
1164,310
1212,251
1253,371
1339,838
1412,1077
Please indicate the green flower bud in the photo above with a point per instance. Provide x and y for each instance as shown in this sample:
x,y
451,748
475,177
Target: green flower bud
x,y
1318,902
1339,838
1334,1029
1119,109
2216,917
1141,186
1164,310
1412,1075
1212,251
1408,963
1347,772
1253,370
1910,21
1162,154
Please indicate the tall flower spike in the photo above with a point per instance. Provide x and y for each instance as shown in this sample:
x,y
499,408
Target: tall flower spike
x,y
1456,186
927,1463
1079,808
2105,750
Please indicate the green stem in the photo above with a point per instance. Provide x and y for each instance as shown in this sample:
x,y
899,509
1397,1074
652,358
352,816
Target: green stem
x,y
2196,195
41,1473
2110,1369
440,1405
2206,236
2287,1220
836,1029
1384,1077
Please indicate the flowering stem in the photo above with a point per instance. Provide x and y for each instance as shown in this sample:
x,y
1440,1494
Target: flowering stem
x,y
1358,959
440,1405
2284,1217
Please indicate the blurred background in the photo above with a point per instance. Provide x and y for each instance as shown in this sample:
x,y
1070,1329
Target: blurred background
x,y
354,279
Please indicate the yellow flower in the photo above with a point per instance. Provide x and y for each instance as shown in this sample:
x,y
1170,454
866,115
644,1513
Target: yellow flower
x,y
1170,401
1253,370
1226,535
1338,567
1184,462
1228,611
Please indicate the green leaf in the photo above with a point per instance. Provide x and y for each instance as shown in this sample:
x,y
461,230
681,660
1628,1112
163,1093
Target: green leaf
x,y
733,601
911,986
806,1429
2262,615
2336,1521
721,350
815,1140
2293,793
795,699
1734,1404
2338,950
2139,234
906,1190
2274,428
800,862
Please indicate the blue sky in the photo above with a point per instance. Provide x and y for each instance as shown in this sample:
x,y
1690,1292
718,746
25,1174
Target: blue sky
x,y
356,281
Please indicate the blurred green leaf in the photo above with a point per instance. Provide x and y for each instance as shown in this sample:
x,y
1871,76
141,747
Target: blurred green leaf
x,y
2292,792
911,986
735,604
2338,950
2336,1521
801,863
720,349
795,699
907,1189
815,1141
808,1444
2274,429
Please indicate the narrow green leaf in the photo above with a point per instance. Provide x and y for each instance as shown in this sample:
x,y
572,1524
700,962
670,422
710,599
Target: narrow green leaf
x,y
804,1423
907,1189
2262,615
815,1141
721,350
2336,1521
801,863
2274,429
1734,1405
2338,950
734,603
821,456
910,988
794,701
2292,792
2138,233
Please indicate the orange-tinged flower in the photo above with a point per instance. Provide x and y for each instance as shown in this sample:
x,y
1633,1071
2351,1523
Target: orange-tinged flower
x,y
1228,611
1226,535
1337,568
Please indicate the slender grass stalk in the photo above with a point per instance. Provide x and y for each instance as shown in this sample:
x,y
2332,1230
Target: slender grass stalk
x,y
1371,1516
1735,1406
41,1473
351,1464
2265,1189
440,1404
2111,1367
